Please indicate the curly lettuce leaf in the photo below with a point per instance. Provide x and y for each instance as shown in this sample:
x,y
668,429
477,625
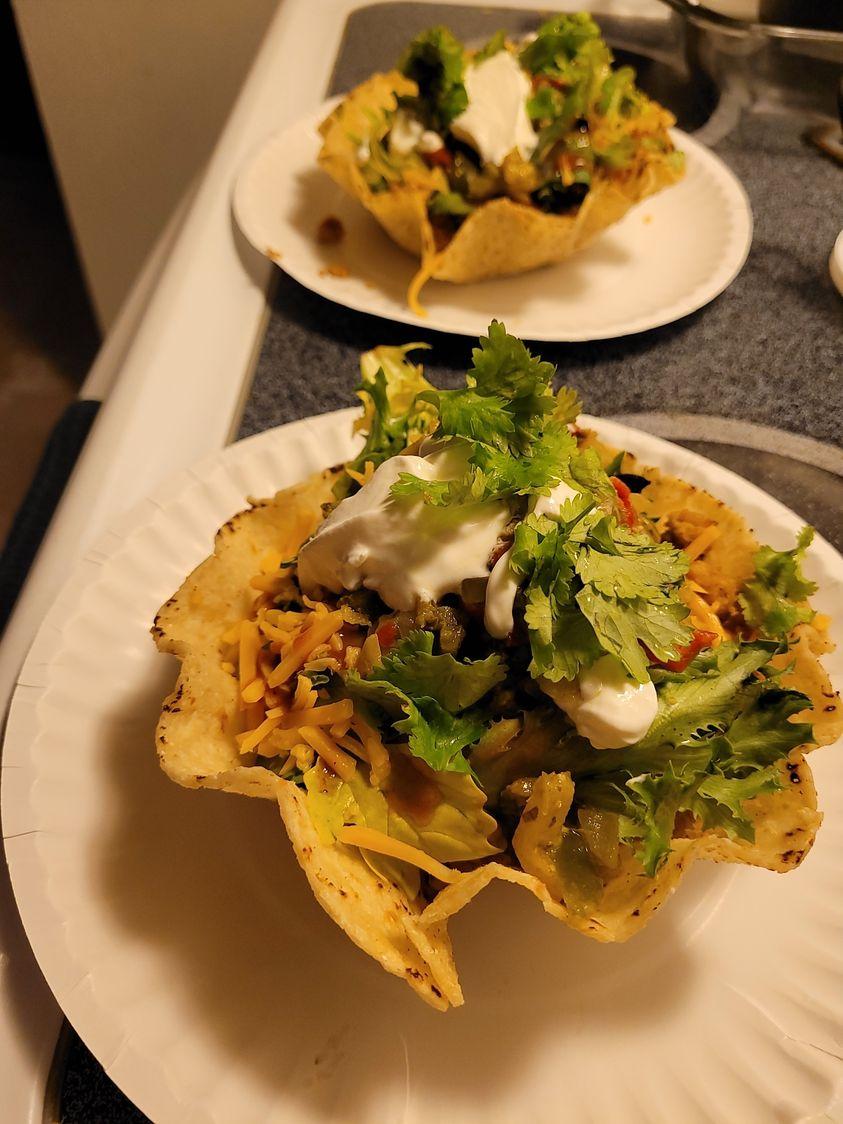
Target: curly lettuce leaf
x,y
392,417
454,684
718,800
718,741
704,698
435,62
773,600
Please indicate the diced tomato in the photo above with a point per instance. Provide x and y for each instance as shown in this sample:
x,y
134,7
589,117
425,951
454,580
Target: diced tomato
x,y
701,639
623,493
441,158
387,634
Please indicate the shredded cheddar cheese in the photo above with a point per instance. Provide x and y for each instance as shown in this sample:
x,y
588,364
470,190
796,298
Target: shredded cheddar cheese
x,y
702,615
343,765
362,478
326,715
254,691
702,542
250,741
376,752
304,645
371,840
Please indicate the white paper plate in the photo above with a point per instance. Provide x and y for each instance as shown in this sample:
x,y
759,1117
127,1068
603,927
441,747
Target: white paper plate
x,y
181,939
668,256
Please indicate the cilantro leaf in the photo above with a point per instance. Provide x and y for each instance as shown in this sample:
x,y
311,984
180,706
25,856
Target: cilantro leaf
x,y
516,383
563,641
439,493
468,413
434,61
634,565
498,473
772,600
586,470
503,366
593,587
453,684
568,405
504,414
622,626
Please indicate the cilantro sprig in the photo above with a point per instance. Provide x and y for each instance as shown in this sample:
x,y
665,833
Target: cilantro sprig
x,y
517,440
592,587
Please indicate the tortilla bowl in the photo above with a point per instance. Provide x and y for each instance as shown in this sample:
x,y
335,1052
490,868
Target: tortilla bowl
x,y
409,936
501,236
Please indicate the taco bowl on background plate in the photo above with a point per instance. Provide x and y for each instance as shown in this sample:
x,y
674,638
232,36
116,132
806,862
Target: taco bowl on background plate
x,y
498,161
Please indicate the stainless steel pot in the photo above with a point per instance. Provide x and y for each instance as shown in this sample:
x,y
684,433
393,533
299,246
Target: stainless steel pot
x,y
771,54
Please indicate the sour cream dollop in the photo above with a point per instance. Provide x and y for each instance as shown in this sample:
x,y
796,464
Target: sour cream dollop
x,y
498,616
408,133
605,705
495,121
405,550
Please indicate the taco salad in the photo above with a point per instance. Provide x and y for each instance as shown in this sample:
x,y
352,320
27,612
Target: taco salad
x,y
491,647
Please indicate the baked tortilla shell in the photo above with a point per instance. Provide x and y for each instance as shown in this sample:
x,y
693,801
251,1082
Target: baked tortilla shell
x,y
501,236
197,748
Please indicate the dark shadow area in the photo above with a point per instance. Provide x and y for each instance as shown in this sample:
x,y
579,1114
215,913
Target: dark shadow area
x,y
48,336
87,1095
